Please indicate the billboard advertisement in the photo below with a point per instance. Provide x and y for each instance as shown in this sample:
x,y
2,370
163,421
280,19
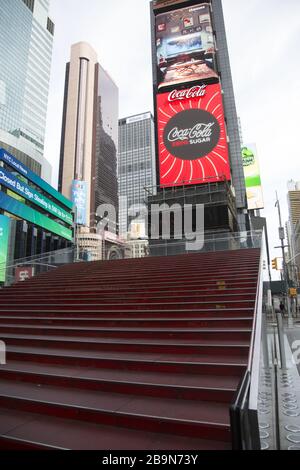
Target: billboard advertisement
x,y
4,236
192,136
79,198
252,177
23,273
185,46
166,3
18,166
12,206
22,189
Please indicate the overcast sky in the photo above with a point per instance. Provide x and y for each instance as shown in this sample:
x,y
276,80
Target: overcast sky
x,y
263,39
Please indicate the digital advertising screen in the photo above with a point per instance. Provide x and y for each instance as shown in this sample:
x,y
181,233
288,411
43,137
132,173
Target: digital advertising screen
x,y
252,177
192,136
166,3
16,208
17,189
185,46
4,236
79,198
22,170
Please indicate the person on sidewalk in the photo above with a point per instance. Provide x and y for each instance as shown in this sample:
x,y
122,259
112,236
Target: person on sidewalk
x,y
282,308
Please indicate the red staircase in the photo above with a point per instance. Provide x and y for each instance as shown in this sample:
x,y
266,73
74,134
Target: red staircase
x,y
134,354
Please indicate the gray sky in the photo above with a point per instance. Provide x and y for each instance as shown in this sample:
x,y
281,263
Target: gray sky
x,y
263,38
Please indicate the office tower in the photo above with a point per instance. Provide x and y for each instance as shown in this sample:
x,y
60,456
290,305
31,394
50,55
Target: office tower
x,y
88,157
198,143
294,201
136,167
293,224
26,38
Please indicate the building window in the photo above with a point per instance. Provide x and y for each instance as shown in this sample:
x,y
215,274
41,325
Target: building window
x,y
29,4
50,26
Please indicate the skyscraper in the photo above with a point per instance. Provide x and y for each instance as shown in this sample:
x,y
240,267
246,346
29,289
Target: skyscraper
x,y
136,164
293,224
26,38
198,144
89,143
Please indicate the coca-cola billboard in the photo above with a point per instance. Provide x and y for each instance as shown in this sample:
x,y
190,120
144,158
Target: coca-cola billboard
x,y
192,136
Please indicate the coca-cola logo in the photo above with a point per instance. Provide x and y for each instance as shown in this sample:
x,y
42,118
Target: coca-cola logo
x,y
194,92
191,134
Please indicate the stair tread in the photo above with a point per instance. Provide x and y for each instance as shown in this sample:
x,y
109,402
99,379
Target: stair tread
x,y
101,304
179,380
117,329
133,341
127,319
145,295
21,309
169,408
151,357
65,433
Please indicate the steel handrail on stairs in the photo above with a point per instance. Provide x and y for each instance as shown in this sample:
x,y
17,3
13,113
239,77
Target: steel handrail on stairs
x,y
244,408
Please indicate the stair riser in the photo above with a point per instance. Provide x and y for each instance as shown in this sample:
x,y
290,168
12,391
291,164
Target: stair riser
x,y
221,313
157,276
244,324
151,390
132,348
177,275
139,280
128,307
192,288
122,298
145,366
207,268
128,323
211,336
143,423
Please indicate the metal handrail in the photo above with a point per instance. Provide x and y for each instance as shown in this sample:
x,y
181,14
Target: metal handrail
x,y
244,408
218,238
32,259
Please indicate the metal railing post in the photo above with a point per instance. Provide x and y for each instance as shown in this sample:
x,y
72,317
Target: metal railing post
x,y
281,341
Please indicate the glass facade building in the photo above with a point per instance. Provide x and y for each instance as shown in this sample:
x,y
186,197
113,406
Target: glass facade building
x,y
89,141
26,38
136,164
106,145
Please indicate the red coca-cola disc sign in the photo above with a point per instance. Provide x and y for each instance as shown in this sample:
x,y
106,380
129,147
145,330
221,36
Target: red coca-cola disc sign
x,y
192,137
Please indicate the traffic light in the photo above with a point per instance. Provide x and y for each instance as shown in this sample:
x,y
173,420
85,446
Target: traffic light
x,y
274,264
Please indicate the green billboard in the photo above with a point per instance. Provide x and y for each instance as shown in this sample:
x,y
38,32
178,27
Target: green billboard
x,y
24,212
252,177
18,166
18,188
4,235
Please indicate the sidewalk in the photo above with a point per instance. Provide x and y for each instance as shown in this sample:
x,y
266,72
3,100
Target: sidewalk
x,y
289,391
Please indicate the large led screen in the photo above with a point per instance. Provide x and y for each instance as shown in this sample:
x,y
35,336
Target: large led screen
x,y
14,207
192,136
4,236
185,46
